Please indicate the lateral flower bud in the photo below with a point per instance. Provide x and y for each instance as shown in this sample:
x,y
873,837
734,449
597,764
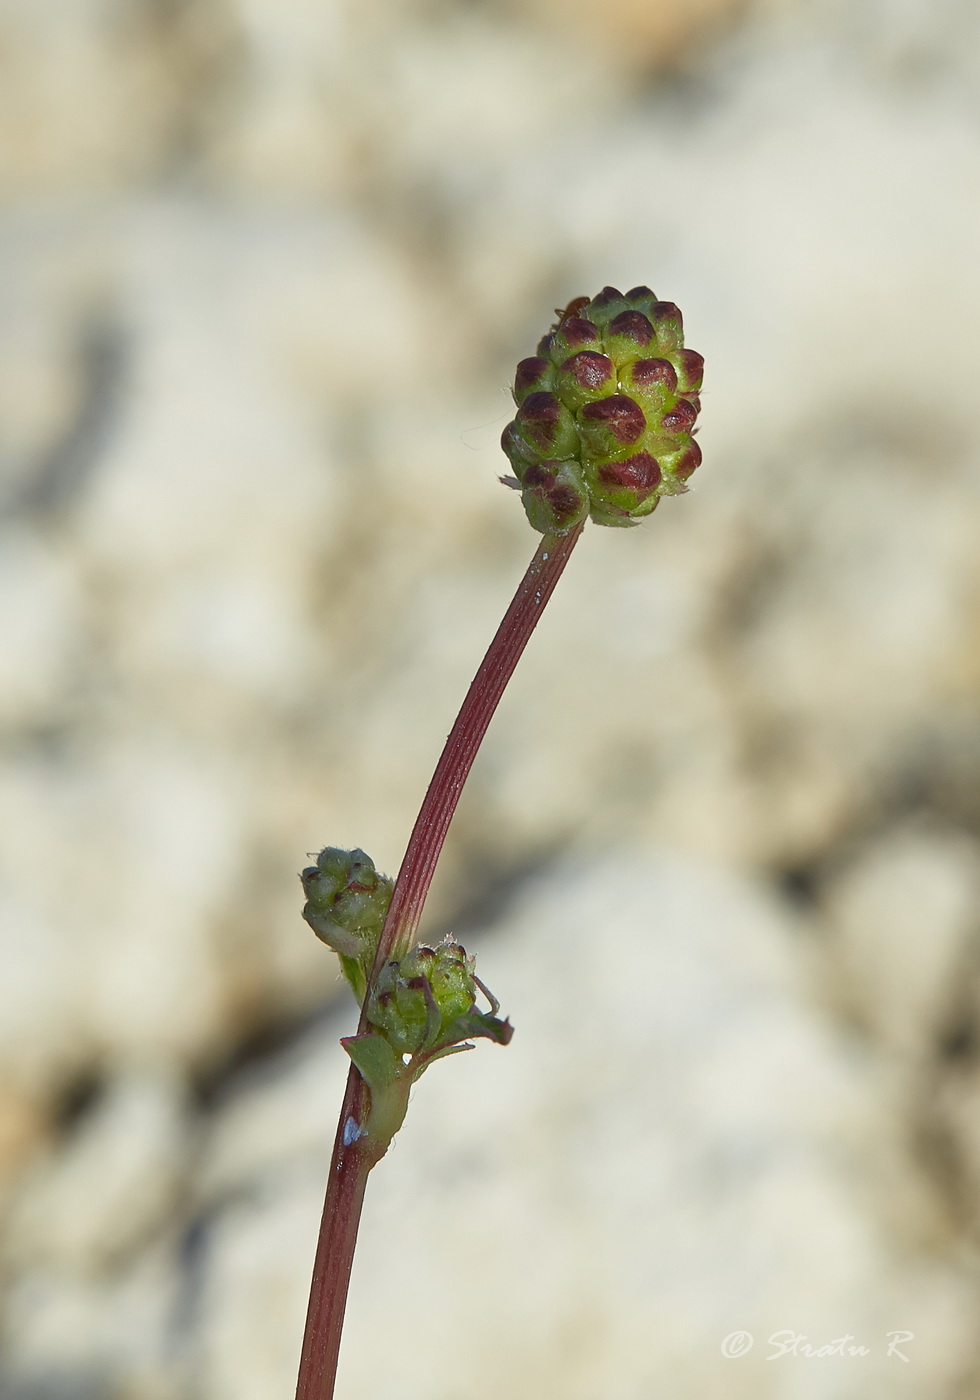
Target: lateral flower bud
x,y
606,412
426,1003
420,1010
346,903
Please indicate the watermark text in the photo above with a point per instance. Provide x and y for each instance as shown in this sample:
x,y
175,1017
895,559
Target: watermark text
x,y
790,1343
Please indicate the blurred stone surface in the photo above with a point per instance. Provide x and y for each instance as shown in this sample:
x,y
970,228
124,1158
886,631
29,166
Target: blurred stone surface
x,y
905,919
643,34
264,272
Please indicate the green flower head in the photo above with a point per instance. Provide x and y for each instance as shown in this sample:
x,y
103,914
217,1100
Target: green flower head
x,y
605,413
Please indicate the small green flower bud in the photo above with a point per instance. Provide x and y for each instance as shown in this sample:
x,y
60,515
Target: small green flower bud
x,y
555,496
533,375
585,375
574,334
677,466
450,975
606,412
606,306
669,325
520,453
625,490
609,424
629,336
653,383
399,1009
690,370
642,299
545,424
346,903
426,1003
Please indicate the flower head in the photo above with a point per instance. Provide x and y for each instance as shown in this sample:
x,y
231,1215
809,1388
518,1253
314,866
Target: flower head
x,y
605,413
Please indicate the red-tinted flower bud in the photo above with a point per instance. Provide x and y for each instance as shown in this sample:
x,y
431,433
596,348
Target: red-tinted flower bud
x,y
681,418
639,473
641,299
678,466
571,335
647,374
628,335
689,462
520,453
606,306
690,369
555,496
534,374
625,490
669,325
611,423
544,422
584,377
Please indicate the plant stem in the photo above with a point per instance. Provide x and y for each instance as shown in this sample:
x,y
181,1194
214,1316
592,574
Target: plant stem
x,y
452,770
352,1158
334,1257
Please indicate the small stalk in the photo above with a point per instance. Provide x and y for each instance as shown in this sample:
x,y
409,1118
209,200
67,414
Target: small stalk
x,y
354,1154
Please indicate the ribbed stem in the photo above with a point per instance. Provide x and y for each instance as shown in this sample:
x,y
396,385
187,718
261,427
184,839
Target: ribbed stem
x,y
482,698
334,1257
350,1164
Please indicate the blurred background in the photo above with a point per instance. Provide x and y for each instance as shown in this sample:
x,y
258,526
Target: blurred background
x,y
266,268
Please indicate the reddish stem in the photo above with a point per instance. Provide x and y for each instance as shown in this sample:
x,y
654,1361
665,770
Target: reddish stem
x,y
334,1257
352,1159
452,770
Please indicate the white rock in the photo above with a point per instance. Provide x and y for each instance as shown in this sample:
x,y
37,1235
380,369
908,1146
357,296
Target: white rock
x,y
73,1332
253,1302
113,1187
903,916
39,623
279,1115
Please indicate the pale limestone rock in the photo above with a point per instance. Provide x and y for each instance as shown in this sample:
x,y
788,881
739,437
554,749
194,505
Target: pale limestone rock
x,y
278,1116
114,1184
117,870
249,1327
39,622
90,1250
640,34
950,1114
74,1335
904,918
